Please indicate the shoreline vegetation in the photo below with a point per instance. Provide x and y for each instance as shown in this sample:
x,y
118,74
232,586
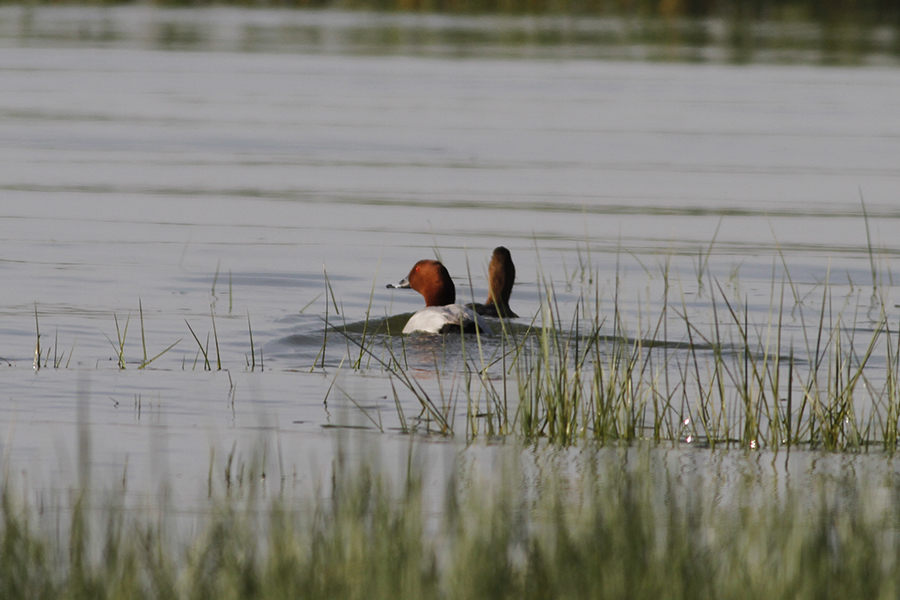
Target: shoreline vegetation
x,y
827,11
619,525
834,32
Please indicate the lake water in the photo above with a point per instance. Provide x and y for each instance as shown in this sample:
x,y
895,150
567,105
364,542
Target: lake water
x,y
164,163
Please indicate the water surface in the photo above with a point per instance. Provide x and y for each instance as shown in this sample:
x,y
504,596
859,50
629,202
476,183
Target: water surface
x,y
216,178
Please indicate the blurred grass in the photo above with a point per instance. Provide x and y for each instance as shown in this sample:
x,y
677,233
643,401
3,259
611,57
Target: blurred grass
x,y
738,31
833,11
620,525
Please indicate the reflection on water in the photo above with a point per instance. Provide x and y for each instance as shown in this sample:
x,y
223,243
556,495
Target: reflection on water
x,y
738,38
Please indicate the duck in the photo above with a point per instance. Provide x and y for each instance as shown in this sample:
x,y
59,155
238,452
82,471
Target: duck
x,y
501,278
441,313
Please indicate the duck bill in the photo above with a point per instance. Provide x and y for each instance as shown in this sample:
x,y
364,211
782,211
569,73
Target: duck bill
x,y
404,283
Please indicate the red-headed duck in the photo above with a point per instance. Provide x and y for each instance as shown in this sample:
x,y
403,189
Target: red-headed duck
x,y
441,313
501,278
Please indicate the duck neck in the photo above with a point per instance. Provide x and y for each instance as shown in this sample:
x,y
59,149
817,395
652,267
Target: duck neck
x,y
441,294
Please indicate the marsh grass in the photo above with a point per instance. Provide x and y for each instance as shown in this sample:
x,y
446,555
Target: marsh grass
x,y
39,352
814,369
204,349
622,524
146,361
708,375
251,363
735,383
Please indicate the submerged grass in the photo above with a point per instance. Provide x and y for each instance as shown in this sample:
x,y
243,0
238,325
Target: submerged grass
x,y
622,525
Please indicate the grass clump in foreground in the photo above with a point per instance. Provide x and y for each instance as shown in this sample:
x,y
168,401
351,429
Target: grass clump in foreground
x,y
623,524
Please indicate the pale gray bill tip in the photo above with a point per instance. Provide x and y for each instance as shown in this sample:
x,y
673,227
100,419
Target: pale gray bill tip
x,y
396,286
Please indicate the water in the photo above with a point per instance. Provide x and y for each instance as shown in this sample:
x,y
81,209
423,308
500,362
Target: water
x,y
208,177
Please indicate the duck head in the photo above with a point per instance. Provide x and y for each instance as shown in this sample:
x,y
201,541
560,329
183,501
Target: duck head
x,y
431,279
502,277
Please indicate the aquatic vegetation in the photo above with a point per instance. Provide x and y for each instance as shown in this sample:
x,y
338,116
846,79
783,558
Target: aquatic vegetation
x,y
862,10
817,368
622,524
204,350
705,375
